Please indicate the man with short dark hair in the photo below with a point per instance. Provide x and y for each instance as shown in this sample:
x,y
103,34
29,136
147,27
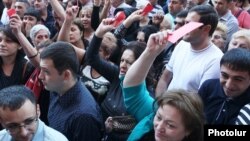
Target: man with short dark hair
x,y
195,58
72,110
225,16
224,97
19,115
21,7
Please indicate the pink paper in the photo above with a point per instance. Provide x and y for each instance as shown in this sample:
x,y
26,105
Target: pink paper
x,y
11,11
147,9
119,17
180,32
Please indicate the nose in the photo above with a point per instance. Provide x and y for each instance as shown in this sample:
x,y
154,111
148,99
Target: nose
x,y
23,131
40,76
212,39
123,64
229,84
160,126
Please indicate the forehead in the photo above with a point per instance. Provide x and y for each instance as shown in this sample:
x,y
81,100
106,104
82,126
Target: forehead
x,y
128,54
27,110
46,63
192,17
220,1
20,4
42,32
234,73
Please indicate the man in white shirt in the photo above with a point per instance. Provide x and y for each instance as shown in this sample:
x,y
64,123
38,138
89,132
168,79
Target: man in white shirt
x,y
196,58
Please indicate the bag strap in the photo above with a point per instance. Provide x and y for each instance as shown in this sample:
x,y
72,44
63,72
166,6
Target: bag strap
x,y
24,69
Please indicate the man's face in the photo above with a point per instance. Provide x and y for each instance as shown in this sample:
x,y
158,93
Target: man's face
x,y
179,22
21,123
194,37
175,6
234,83
221,6
49,76
20,8
40,4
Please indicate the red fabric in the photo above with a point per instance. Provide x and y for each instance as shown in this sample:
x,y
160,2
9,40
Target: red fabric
x,y
35,84
244,19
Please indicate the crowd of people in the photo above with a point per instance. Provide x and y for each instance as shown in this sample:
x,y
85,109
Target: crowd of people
x,y
95,80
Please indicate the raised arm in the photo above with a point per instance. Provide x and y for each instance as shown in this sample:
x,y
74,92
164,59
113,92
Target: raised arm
x,y
102,66
122,29
30,51
105,10
57,7
138,71
71,14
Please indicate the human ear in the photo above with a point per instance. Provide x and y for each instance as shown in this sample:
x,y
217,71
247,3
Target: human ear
x,y
38,110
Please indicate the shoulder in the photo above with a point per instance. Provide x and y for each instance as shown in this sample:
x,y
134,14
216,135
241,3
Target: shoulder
x,y
51,134
4,136
211,83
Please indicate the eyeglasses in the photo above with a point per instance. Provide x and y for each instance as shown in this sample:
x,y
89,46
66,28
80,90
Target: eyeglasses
x,y
27,124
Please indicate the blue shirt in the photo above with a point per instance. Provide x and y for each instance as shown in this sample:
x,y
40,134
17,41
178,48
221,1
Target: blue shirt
x,y
76,114
219,108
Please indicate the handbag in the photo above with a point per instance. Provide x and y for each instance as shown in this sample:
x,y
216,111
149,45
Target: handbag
x,y
35,84
124,124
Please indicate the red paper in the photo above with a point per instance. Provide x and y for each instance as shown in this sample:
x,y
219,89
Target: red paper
x,y
119,17
147,9
11,11
180,32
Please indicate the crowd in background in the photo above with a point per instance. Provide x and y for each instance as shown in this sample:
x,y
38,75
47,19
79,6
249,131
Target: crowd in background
x,y
96,81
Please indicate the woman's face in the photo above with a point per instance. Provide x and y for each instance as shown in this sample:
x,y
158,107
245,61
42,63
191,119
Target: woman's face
x,y
7,46
86,18
168,124
140,36
218,40
127,60
74,34
41,36
239,42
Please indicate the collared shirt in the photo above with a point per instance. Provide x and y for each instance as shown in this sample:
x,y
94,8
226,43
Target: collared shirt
x,y
43,133
75,114
232,24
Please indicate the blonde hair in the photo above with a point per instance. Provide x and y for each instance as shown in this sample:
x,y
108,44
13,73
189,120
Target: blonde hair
x,y
223,28
243,33
86,8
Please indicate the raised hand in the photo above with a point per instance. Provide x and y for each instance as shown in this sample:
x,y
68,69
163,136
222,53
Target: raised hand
x,y
71,13
158,18
16,23
157,42
105,26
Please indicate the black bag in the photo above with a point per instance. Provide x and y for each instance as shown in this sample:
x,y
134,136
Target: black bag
x,y
124,124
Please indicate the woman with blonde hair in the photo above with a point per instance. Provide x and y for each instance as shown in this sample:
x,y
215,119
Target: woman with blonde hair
x,y
240,39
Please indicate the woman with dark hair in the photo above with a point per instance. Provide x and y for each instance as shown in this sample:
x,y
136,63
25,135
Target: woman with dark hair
x,y
144,32
177,115
113,104
72,29
14,67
